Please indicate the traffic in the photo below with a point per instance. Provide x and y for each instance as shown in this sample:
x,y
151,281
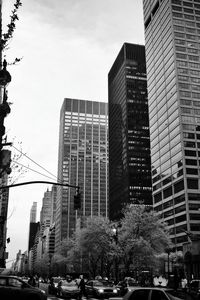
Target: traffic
x,y
34,288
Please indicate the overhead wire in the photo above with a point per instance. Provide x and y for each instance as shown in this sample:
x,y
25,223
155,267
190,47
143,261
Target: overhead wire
x,y
32,170
38,165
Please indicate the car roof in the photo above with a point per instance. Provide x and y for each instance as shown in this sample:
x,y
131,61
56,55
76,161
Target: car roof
x,y
151,288
8,276
195,280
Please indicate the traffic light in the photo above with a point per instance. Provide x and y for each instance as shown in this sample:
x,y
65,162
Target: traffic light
x,y
77,201
5,160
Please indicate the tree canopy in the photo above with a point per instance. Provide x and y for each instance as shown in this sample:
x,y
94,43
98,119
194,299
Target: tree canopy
x,y
135,241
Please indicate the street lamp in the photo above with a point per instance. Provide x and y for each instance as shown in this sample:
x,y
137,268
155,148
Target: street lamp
x,y
115,238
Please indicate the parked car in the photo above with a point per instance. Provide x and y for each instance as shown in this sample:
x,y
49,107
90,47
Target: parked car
x,y
68,289
194,289
153,293
100,289
13,287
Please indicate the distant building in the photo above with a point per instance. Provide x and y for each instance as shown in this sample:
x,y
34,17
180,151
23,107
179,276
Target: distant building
x,y
172,35
33,213
46,210
53,203
33,226
82,161
129,138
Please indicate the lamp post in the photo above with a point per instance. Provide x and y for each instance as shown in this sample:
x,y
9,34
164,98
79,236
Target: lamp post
x,y
115,237
168,251
5,156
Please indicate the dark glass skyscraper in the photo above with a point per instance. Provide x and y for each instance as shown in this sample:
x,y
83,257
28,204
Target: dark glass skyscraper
x,y
129,141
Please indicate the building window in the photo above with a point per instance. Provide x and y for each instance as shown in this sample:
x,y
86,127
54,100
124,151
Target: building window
x,y
167,192
178,186
191,171
157,197
192,183
191,162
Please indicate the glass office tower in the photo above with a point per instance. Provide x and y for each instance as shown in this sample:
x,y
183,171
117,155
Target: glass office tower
x,y
129,140
172,34
82,161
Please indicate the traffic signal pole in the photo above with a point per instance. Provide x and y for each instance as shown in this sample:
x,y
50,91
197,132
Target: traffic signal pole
x,y
5,159
3,219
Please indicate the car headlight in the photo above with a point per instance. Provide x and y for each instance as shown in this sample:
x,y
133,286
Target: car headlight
x,y
43,291
100,290
129,290
115,291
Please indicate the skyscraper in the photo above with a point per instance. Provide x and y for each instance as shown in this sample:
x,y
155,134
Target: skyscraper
x,y
82,161
129,140
172,34
33,213
33,226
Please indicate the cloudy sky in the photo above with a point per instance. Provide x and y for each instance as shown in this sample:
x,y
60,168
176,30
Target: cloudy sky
x,y
67,49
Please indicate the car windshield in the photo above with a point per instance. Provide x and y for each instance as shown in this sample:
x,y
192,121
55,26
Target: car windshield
x,y
102,283
98,283
66,283
194,284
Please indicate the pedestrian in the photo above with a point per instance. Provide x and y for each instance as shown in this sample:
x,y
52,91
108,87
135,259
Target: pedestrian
x,y
81,285
184,284
32,281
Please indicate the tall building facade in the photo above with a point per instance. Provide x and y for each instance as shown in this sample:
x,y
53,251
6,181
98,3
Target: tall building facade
x,y
172,38
33,226
33,213
129,139
82,161
46,210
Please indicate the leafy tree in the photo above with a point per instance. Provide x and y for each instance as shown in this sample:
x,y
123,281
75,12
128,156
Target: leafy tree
x,y
5,38
91,247
141,237
42,266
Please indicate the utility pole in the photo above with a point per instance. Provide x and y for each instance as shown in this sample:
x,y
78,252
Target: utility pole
x,y
5,170
5,155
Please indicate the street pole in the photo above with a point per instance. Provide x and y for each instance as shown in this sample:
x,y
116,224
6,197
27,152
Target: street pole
x,y
5,159
115,233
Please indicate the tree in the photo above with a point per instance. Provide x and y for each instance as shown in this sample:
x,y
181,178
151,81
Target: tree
x,y
141,237
89,250
42,266
94,240
6,37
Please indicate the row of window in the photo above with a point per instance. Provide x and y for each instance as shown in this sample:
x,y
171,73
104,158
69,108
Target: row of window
x,y
180,15
191,119
185,10
186,29
185,4
191,111
190,144
190,103
192,183
185,23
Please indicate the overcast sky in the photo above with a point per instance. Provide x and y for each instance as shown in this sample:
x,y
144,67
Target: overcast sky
x,y
67,49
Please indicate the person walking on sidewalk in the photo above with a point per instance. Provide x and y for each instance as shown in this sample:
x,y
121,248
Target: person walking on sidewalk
x,y
81,285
